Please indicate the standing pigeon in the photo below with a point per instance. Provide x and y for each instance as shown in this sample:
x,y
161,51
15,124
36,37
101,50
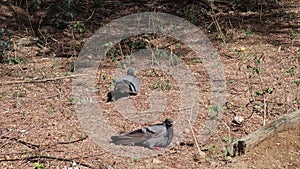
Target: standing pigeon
x,y
155,136
125,86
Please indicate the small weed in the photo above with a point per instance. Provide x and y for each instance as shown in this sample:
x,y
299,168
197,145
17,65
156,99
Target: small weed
x,y
246,33
294,34
21,92
197,60
291,71
226,152
14,61
259,92
71,67
256,70
190,15
122,65
79,27
71,99
50,110
257,105
38,166
135,159
227,139
269,90
214,111
163,86
297,82
97,3
212,148
4,44
67,74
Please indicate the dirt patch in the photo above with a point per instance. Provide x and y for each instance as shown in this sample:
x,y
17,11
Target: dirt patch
x,y
39,123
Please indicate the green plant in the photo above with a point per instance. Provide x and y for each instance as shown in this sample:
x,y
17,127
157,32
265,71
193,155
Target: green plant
x,y
50,110
197,60
291,71
38,166
34,5
4,44
79,27
246,33
297,82
269,90
97,3
71,99
214,111
165,85
14,61
227,139
212,148
259,92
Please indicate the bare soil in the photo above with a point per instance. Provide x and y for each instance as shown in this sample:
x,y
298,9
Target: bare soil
x,y
39,123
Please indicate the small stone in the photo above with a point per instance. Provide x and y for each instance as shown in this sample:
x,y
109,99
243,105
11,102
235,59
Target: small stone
x,y
156,161
186,131
238,119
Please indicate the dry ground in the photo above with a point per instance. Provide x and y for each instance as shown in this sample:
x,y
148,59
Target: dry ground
x,y
39,123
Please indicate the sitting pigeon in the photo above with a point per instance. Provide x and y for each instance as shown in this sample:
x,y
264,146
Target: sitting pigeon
x,y
155,136
125,86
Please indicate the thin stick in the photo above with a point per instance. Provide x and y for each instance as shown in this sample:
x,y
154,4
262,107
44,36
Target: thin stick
x,y
32,158
195,139
265,104
33,146
194,136
41,80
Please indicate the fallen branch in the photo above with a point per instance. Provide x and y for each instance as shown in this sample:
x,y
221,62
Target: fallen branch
x,y
41,80
283,123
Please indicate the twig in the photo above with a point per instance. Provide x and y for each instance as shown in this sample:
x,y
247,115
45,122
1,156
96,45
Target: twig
x,y
33,146
90,16
192,130
265,105
213,16
195,139
32,158
229,131
41,80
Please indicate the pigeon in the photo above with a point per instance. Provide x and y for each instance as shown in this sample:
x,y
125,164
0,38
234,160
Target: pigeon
x,y
152,137
125,86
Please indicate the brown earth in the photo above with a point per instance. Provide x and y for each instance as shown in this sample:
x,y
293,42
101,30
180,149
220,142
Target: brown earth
x,y
38,119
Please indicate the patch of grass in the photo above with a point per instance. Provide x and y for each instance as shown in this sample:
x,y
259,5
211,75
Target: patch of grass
x,y
295,34
15,60
71,99
297,82
4,43
37,165
97,3
246,33
213,149
226,139
79,27
50,110
291,71
165,85
197,60
214,111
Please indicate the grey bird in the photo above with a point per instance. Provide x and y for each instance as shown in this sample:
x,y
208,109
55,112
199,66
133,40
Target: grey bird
x,y
153,137
125,86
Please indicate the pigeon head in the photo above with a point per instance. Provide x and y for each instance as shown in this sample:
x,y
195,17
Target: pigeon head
x,y
130,71
168,122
